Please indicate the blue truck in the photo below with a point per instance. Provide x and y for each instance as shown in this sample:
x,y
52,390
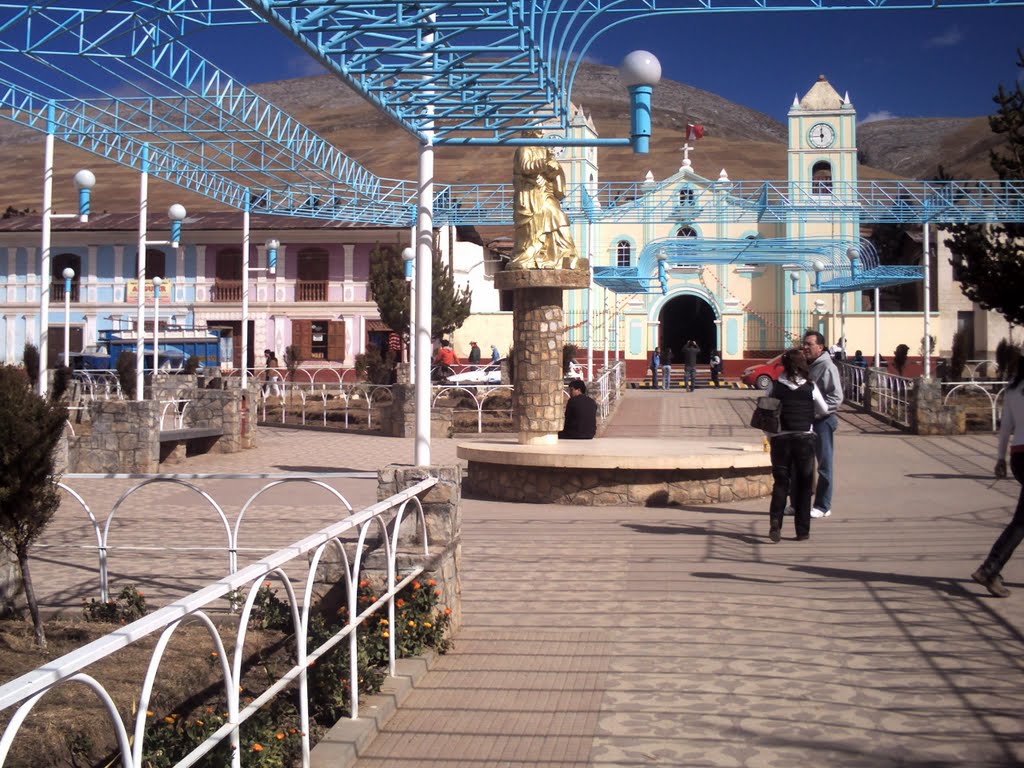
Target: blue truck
x,y
176,345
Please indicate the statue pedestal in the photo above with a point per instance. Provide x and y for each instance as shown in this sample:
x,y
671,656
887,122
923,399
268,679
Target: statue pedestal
x,y
538,332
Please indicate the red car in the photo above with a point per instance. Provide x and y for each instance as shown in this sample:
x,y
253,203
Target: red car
x,y
763,375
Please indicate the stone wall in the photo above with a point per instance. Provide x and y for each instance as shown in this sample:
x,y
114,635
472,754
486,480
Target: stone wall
x,y
928,414
616,487
399,418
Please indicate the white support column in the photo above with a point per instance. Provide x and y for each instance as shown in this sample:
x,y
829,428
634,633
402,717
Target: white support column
x,y
424,277
606,328
245,295
878,320
926,259
44,262
140,276
590,325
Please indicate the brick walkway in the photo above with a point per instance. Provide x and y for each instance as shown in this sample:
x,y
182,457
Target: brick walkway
x,y
613,637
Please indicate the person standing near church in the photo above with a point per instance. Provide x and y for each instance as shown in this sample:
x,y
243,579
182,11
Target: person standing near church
x,y
690,352
825,374
666,368
655,366
495,355
474,353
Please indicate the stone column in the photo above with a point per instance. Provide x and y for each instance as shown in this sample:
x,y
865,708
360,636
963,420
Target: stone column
x,y
538,332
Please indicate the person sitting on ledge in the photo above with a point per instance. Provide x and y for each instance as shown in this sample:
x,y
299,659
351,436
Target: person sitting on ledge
x,y
580,414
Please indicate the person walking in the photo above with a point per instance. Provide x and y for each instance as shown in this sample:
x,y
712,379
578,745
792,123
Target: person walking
x,y
716,367
495,355
989,573
655,366
825,374
792,447
474,353
666,368
690,352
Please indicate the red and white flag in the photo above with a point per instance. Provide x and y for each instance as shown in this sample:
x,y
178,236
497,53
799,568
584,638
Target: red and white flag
x,y
694,132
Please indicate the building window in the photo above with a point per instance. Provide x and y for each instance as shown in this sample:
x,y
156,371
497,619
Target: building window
x,y
623,254
821,178
319,339
686,197
61,262
312,275
686,232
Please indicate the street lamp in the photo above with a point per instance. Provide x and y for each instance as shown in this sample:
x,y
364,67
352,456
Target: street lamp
x,y
84,180
818,266
272,245
69,275
176,213
156,325
409,258
640,72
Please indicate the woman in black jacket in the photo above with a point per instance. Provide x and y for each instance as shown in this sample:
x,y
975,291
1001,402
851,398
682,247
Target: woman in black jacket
x,y
793,445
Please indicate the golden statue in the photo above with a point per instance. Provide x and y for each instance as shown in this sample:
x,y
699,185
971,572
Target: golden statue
x,y
543,237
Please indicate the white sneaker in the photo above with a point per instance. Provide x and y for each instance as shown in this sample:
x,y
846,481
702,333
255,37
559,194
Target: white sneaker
x,y
818,513
789,511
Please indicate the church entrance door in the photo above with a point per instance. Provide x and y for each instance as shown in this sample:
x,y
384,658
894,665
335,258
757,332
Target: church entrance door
x,y
684,318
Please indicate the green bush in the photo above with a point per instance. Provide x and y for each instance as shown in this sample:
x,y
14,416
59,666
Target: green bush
x,y
377,367
125,366
30,359
1007,358
128,606
958,357
899,358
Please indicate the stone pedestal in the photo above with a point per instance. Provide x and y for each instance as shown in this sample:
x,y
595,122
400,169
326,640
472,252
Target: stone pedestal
x,y
538,330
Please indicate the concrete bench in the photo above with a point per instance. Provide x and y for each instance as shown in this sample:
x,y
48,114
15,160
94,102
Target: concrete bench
x,y
176,444
618,471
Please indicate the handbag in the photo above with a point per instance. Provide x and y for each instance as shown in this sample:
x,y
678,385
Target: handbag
x,y
766,414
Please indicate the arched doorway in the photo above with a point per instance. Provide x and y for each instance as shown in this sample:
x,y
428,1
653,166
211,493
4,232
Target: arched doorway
x,y
688,317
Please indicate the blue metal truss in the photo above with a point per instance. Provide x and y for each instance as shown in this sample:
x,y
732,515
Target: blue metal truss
x,y
825,258
207,131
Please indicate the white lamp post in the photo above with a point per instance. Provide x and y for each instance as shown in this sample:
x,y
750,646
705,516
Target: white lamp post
x,y
69,275
640,72
156,324
85,180
409,257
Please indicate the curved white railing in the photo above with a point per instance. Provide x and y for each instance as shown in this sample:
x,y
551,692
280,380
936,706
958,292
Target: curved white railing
x,y
890,394
479,393
994,391
384,518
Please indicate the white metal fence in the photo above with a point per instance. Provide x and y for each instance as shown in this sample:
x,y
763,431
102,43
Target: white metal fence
x,y
385,518
884,394
992,393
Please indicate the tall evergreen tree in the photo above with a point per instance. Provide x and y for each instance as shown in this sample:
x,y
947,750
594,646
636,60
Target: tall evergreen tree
x,y
450,305
988,260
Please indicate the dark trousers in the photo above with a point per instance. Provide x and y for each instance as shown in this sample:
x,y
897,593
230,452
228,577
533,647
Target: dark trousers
x,y
1014,532
793,472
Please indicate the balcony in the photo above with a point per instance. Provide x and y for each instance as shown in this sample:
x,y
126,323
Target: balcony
x,y
311,290
57,291
226,290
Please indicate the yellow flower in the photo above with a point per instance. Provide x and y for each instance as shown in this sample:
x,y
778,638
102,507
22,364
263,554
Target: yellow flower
x,y
383,621
199,722
385,634
169,720
149,713
412,623
427,624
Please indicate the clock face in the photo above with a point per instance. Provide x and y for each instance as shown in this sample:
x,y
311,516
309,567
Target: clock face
x,y
558,152
821,135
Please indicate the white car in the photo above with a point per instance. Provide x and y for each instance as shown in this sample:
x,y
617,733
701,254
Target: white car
x,y
487,374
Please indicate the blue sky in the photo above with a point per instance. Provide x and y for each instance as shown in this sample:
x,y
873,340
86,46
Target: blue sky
x,y
920,63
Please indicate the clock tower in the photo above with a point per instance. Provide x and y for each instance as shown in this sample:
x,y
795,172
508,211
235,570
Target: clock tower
x,y
822,155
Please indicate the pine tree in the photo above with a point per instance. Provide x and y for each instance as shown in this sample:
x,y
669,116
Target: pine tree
x,y
988,260
31,427
449,305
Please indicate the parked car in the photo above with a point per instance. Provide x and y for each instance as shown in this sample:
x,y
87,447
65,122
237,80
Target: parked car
x,y
763,375
487,374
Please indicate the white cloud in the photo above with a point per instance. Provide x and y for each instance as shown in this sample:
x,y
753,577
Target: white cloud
x,y
304,66
947,39
882,114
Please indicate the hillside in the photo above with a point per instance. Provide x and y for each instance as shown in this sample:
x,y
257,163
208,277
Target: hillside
x,y
747,143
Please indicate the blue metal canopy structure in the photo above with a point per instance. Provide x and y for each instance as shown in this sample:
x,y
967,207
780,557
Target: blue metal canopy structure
x,y
119,78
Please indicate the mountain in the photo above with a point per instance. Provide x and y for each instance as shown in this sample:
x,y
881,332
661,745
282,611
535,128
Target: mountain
x,y
916,147
746,143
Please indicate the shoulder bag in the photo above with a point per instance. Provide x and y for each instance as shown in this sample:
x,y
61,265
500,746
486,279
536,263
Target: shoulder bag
x,y
766,414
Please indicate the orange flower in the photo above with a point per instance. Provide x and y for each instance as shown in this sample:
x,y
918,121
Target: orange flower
x,y
437,592
447,611
199,722
383,621
169,720
280,736
291,730
257,747
400,602
415,586
431,583
213,654
265,584
364,583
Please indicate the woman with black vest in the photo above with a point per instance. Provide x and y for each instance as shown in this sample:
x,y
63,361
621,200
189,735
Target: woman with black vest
x,y
793,445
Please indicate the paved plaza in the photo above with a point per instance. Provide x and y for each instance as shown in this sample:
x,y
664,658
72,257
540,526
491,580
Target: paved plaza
x,y
615,637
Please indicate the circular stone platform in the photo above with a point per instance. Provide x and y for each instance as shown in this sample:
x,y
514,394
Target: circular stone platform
x,y
617,471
